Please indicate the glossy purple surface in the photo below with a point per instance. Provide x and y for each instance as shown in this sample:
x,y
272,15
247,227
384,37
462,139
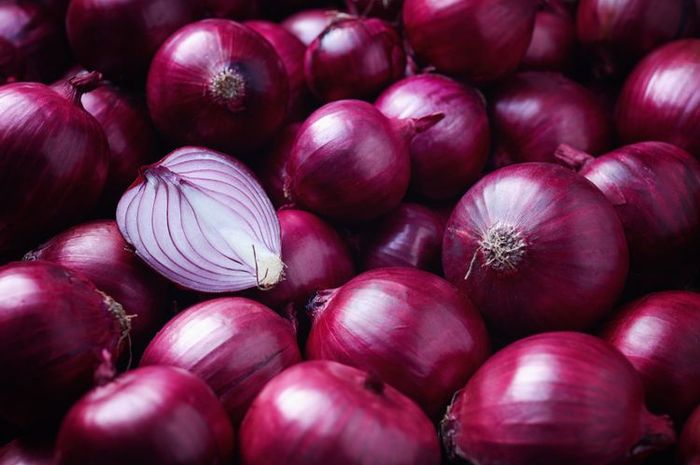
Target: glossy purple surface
x,y
553,39
322,412
308,24
690,440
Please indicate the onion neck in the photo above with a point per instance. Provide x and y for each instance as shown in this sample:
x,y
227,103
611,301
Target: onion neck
x,y
81,84
319,303
408,128
657,434
228,88
572,158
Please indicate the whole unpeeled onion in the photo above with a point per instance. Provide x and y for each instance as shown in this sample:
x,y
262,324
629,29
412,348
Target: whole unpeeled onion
x,y
690,440
322,412
553,399
536,247
553,39
151,415
218,84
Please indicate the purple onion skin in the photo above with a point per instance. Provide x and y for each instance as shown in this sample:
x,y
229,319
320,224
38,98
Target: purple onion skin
x,y
407,308
660,335
98,251
410,236
119,37
448,157
309,24
151,415
534,112
250,102
551,399
354,58
315,257
27,452
479,40
271,169
336,408
385,9
349,162
658,100
53,162
54,324
234,344
537,248
553,39
690,440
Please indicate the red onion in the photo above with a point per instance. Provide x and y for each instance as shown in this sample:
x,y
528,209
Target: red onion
x,y
53,159
655,188
152,415
350,162
386,9
271,169
354,58
234,9
38,39
690,440
315,258
480,40
234,344
660,335
448,157
537,248
409,236
412,328
308,24
323,412
27,452
53,326
534,112
553,399
119,37
219,84
200,219
553,39
98,251
659,99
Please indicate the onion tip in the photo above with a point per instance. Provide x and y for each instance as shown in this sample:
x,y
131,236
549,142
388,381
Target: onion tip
x,y
571,157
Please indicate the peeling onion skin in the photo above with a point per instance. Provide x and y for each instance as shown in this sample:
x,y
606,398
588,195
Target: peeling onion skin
x,y
553,39
537,248
660,335
234,344
690,440
551,399
658,101
308,24
211,232
152,415
330,409
413,329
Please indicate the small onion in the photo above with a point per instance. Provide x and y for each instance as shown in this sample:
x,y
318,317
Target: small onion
x,y
659,99
448,157
27,452
54,324
308,24
413,329
234,344
690,440
271,168
218,83
119,37
385,9
480,40
322,412
660,335
536,247
98,251
534,112
201,219
151,415
354,58
553,399
553,39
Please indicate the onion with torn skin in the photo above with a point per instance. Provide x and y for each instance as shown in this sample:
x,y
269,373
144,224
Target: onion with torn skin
x,y
202,220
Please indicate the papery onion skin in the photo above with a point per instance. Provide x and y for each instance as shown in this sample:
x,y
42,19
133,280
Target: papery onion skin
x,y
29,451
551,399
54,324
200,218
553,38
234,344
308,24
385,9
383,321
537,248
690,440
333,408
534,112
660,335
448,157
219,84
354,58
155,415
98,251
119,37
658,100
479,40
271,168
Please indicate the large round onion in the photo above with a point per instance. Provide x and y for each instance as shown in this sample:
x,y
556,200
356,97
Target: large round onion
x,y
660,335
411,328
553,399
322,412
690,440
151,415
536,247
